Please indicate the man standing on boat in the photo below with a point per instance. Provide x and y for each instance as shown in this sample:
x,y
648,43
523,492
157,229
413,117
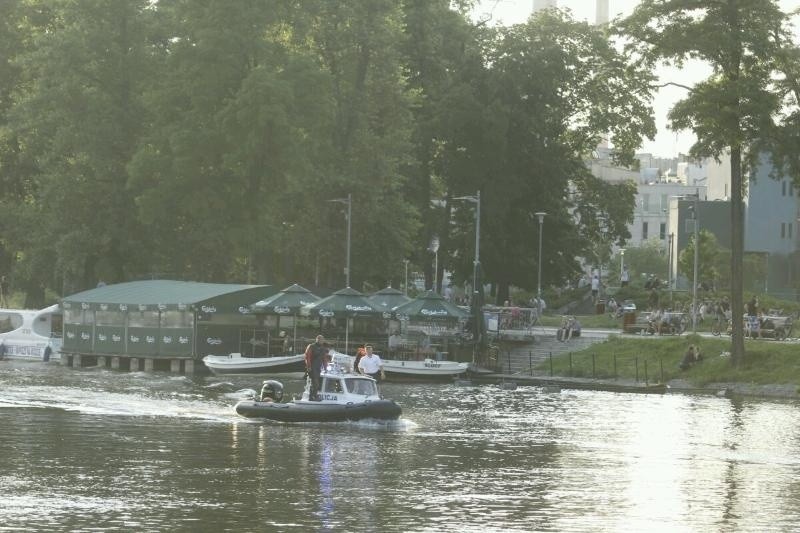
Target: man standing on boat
x,y
316,359
371,365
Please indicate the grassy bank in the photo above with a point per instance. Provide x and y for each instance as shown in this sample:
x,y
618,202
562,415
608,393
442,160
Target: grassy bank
x,y
657,360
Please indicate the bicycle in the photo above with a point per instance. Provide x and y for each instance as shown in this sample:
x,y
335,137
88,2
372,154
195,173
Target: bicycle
x,y
717,324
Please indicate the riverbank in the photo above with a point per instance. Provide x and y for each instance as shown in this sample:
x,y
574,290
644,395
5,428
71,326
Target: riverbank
x,y
674,386
782,391
770,369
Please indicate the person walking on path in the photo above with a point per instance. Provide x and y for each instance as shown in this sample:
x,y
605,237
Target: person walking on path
x,y
595,287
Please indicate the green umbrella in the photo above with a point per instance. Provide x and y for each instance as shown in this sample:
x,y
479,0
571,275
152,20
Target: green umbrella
x,y
346,303
387,299
289,301
430,306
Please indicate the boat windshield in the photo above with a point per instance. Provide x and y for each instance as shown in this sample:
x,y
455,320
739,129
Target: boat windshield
x,y
361,386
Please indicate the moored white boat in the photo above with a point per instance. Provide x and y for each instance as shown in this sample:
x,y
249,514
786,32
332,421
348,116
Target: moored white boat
x,y
29,334
425,370
236,364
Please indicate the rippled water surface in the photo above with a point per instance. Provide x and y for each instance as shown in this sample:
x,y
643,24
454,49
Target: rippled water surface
x,y
97,450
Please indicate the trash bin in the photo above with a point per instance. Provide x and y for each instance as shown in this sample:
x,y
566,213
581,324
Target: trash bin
x,y
600,308
628,320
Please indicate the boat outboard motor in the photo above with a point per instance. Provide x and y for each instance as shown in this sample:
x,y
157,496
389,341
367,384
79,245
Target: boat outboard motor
x,y
272,391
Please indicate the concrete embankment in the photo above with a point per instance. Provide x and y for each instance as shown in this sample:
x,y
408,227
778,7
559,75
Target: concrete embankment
x,y
571,383
677,386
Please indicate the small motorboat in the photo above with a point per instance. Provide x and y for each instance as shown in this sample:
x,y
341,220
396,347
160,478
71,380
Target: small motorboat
x,y
426,370
236,364
343,396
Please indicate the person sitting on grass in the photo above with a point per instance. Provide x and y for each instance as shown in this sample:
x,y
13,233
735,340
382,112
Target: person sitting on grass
x,y
691,357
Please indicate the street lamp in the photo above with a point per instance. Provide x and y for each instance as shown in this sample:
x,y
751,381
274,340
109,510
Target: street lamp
x,y
695,218
540,215
477,201
696,251
434,247
405,287
349,202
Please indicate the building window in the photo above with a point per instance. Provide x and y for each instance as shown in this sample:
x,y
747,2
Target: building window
x,y
790,230
646,203
783,188
662,231
664,202
644,231
783,230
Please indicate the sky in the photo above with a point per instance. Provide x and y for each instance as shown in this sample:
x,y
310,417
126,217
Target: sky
x,y
667,143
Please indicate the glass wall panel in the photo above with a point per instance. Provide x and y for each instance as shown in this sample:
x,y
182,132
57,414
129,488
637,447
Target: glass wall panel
x,y
176,319
143,319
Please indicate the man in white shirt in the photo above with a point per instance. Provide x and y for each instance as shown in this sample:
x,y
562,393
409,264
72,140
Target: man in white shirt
x,y
371,364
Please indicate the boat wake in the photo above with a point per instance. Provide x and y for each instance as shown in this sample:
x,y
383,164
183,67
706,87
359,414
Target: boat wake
x,y
134,403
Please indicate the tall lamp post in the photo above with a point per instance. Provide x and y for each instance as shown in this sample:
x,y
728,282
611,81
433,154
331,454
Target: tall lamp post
x,y
669,266
540,215
696,251
696,220
349,202
405,287
477,201
475,292
434,247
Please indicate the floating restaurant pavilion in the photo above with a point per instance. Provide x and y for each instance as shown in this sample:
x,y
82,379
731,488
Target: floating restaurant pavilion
x,y
158,321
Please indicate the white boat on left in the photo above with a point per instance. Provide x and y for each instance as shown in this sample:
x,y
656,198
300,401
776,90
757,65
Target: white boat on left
x,y
30,334
236,364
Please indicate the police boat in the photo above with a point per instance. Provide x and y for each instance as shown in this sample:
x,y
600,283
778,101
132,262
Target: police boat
x,y
343,396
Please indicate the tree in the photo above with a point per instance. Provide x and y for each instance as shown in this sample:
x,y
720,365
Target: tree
x,y
707,258
648,259
239,120
740,109
79,118
359,44
554,89
445,67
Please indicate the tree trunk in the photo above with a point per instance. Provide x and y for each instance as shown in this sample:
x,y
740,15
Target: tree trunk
x,y
737,254
503,290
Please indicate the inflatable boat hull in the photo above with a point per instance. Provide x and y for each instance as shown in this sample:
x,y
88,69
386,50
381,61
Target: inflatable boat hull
x,y
303,411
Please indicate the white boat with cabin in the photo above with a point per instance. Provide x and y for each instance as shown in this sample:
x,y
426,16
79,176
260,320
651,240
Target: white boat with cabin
x,y
30,334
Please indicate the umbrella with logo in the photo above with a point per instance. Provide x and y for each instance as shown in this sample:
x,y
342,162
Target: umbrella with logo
x,y
387,299
433,313
430,306
346,303
287,302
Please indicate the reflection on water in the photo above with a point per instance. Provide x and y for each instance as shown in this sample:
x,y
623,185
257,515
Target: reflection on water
x,y
94,449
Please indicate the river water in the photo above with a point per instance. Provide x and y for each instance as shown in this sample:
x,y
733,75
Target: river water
x,y
97,450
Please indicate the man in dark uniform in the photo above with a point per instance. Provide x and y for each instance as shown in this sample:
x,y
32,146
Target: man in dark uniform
x,y
316,359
